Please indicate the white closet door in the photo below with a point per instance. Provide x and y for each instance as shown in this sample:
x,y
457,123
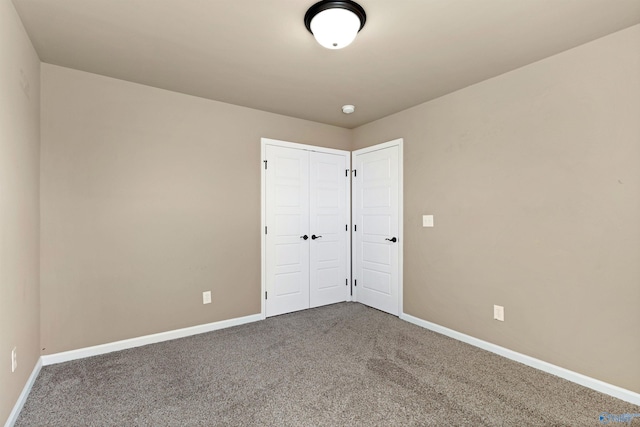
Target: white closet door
x,y
287,215
328,227
376,239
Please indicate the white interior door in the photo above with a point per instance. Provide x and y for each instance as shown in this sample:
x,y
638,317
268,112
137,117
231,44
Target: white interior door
x,y
287,219
329,218
306,245
376,236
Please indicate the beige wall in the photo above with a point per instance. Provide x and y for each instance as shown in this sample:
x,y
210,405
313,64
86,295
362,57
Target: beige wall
x,y
19,206
534,181
149,198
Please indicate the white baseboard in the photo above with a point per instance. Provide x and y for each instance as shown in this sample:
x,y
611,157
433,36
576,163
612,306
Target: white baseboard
x,y
13,416
96,350
583,380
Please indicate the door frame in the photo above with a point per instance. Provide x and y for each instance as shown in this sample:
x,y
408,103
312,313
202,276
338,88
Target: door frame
x,y
399,143
263,208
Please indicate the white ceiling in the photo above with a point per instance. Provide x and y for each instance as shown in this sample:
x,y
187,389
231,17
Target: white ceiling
x,y
258,53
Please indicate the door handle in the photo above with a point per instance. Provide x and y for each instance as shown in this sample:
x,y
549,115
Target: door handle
x,y
305,237
314,237
393,239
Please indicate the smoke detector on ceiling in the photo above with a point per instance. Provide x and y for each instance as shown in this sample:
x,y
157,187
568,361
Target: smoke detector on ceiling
x,y
348,109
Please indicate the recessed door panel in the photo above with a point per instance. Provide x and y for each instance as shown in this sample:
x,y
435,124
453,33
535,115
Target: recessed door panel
x,y
326,224
325,252
329,278
288,225
374,280
377,170
377,253
287,254
376,197
376,225
288,196
288,285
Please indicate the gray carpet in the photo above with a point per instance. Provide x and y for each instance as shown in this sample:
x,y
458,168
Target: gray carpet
x,y
339,365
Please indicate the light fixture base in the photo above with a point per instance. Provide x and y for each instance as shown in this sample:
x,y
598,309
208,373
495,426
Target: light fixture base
x,y
349,5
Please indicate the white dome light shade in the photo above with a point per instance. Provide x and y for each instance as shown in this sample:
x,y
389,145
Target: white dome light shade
x,y
335,23
335,28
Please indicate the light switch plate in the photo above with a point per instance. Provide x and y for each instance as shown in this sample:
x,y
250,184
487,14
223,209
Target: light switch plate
x,y
427,220
498,312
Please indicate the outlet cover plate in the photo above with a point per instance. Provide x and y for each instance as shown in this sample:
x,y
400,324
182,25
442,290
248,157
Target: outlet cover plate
x,y
206,297
498,312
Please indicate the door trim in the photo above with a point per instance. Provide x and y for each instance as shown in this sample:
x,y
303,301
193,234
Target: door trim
x,y
263,209
394,143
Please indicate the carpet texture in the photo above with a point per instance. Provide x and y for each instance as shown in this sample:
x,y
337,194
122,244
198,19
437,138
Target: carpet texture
x,y
339,365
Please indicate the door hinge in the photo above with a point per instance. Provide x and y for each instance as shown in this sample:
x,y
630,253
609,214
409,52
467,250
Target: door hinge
x,y
265,229
265,164
346,282
355,283
346,173
355,172
265,295
355,227
346,227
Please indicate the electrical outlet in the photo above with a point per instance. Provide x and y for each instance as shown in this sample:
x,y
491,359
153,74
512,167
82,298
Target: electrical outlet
x,y
206,297
498,312
14,359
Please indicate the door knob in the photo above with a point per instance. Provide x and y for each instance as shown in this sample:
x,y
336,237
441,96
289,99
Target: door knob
x,y
305,237
314,237
393,239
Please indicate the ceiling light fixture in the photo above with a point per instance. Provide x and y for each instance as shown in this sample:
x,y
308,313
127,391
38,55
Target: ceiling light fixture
x,y
335,24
